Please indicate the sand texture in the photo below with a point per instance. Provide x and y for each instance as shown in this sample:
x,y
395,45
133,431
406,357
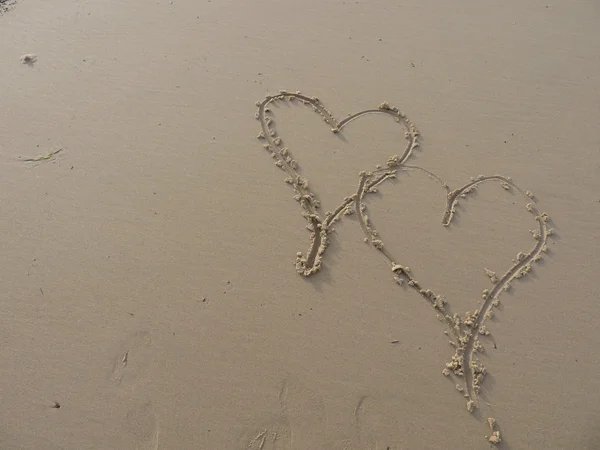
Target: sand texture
x,y
299,226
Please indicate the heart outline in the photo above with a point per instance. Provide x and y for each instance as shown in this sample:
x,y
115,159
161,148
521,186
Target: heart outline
x,y
465,330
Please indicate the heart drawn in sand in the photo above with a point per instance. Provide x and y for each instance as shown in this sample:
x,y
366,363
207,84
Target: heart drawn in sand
x,y
465,329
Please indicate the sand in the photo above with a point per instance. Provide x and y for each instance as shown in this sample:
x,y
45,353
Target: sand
x,y
162,290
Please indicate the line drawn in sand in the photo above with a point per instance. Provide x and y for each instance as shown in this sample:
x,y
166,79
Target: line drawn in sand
x,y
43,157
464,329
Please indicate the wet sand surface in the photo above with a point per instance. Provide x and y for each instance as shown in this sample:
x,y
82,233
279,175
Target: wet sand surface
x,y
162,290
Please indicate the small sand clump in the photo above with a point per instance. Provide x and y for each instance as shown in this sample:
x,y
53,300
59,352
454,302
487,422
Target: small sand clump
x,y
495,438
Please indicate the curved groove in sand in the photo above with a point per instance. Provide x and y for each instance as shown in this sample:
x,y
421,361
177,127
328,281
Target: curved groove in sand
x,y
471,382
319,229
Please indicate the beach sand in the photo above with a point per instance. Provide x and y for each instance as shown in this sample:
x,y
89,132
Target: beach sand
x,y
151,294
